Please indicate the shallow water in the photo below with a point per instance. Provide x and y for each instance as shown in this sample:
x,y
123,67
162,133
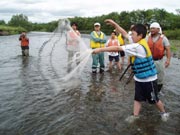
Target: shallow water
x,y
98,106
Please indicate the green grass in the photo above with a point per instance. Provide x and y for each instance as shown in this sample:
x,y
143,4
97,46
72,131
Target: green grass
x,y
12,30
175,47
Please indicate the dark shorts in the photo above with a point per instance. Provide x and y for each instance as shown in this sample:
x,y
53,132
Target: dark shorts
x,y
146,91
24,47
116,58
122,53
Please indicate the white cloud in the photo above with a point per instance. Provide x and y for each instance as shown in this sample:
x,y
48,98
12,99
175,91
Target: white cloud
x,y
48,10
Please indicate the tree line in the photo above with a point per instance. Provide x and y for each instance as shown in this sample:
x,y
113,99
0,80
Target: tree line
x,y
168,21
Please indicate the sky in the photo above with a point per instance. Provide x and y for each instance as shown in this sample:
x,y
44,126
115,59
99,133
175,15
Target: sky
x,y
43,11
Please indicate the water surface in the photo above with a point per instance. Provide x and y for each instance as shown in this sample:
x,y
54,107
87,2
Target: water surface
x,y
98,106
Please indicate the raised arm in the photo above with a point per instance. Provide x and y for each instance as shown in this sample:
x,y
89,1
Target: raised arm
x,y
117,27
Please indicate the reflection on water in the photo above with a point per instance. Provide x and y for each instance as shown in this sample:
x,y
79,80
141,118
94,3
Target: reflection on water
x,y
98,106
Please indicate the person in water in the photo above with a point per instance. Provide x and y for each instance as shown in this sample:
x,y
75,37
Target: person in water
x,y
145,73
160,46
121,40
113,41
72,44
24,44
97,40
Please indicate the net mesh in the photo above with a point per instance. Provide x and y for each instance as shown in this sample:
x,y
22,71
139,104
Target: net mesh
x,y
63,57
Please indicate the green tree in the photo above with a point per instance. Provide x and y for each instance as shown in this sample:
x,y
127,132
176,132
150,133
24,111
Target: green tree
x,y
178,11
2,22
20,21
124,20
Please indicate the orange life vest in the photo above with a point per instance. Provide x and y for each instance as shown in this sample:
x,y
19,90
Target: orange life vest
x,y
157,48
113,42
24,41
73,37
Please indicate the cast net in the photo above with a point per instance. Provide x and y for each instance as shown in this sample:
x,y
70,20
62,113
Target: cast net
x,y
63,57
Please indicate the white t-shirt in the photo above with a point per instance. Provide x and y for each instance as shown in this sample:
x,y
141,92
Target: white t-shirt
x,y
137,50
130,37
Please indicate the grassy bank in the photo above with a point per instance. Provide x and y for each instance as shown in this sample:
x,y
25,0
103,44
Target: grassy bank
x,y
9,30
175,48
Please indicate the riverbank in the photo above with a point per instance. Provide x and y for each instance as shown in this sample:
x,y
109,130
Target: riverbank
x,y
175,48
9,30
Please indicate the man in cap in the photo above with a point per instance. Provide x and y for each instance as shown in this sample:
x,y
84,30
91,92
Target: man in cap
x,y
160,46
97,40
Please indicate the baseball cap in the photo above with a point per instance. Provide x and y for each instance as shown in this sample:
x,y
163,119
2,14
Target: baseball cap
x,y
97,24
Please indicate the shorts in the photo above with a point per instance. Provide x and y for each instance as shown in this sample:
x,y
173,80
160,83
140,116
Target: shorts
x,y
24,47
116,58
146,91
122,53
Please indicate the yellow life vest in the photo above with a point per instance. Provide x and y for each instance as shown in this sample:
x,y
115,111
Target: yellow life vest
x,y
142,42
121,40
94,44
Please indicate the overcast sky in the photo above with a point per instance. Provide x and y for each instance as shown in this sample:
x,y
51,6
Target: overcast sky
x,y
49,10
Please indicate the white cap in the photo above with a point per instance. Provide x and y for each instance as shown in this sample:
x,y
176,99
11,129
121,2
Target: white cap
x,y
97,24
156,25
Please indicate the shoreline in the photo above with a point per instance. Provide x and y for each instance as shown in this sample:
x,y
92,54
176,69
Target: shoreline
x,y
4,33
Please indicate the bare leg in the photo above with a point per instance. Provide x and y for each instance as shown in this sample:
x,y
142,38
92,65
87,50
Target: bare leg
x,y
122,60
119,65
137,108
164,115
160,106
110,65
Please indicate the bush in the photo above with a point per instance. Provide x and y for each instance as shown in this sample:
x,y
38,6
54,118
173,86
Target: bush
x,y
173,34
11,30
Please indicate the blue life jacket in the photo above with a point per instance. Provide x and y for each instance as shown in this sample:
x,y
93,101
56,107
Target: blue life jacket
x,y
143,67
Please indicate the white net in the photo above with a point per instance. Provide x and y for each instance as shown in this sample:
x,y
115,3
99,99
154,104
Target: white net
x,y
64,56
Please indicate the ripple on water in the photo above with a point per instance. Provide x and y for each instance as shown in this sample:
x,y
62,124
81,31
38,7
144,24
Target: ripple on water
x,y
99,105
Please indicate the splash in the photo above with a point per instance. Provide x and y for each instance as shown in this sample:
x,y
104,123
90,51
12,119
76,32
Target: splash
x,y
63,57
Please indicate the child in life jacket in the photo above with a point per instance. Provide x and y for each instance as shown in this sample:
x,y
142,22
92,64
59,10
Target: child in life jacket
x,y
145,72
113,41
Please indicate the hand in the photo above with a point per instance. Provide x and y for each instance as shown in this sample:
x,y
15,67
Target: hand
x,y
167,63
109,22
101,41
97,50
98,40
22,36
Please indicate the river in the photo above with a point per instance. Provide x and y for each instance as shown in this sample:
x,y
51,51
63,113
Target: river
x,y
98,106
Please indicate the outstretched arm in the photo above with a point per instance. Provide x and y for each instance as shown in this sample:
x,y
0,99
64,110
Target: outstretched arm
x,y
107,49
118,28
